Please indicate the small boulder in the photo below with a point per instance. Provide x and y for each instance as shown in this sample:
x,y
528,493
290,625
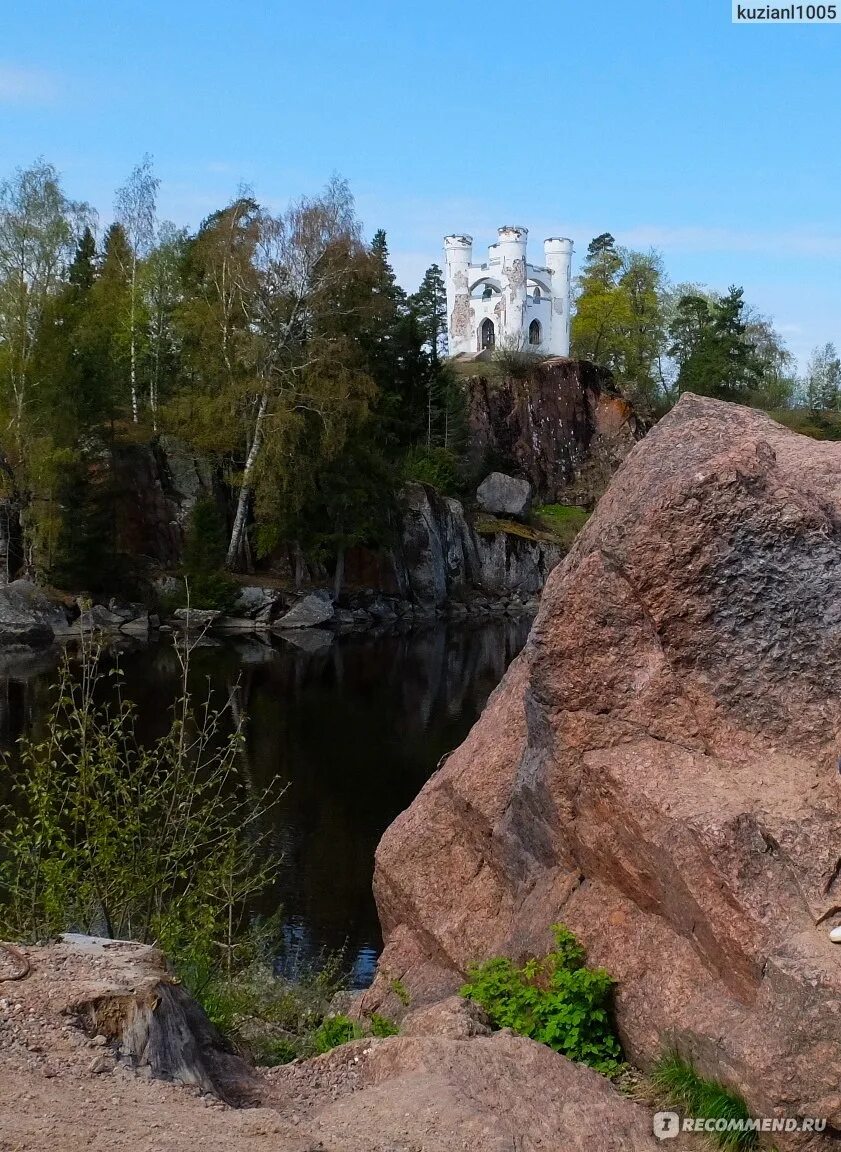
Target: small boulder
x,y
501,495
196,619
311,610
257,603
138,625
98,618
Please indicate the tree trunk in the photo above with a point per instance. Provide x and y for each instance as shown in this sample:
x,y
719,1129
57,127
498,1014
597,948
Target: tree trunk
x,y
339,574
245,487
134,407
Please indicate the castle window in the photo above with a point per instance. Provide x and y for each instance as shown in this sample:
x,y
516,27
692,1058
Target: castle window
x,y
487,337
534,331
537,294
486,295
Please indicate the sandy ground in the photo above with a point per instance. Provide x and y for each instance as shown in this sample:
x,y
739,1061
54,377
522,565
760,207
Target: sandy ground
x,y
446,1085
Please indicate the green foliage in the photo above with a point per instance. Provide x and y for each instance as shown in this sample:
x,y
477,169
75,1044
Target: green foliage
x,y
438,467
381,1026
564,521
516,362
818,424
717,356
206,583
335,1030
679,1085
106,835
554,523
401,991
619,320
556,1000
274,1019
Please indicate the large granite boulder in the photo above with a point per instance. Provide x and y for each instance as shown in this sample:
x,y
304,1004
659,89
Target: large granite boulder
x,y
659,769
501,495
28,617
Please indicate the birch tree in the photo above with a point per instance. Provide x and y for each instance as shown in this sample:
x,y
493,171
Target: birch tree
x,y
39,227
162,293
135,210
263,335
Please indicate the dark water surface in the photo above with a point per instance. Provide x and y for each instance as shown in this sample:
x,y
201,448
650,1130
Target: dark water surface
x,y
353,729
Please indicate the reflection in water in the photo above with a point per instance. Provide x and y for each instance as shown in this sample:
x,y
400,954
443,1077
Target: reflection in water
x,y
352,728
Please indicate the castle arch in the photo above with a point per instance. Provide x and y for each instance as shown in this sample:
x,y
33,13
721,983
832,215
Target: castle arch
x,y
535,333
487,335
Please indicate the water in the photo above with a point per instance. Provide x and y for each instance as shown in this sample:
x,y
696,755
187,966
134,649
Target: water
x,y
353,728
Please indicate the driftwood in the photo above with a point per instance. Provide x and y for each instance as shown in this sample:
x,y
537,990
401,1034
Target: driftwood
x,y
144,1012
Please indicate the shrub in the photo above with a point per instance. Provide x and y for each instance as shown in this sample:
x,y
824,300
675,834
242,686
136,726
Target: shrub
x,y
335,1030
679,1085
205,547
160,843
438,467
272,1019
516,361
556,1000
381,1026
400,991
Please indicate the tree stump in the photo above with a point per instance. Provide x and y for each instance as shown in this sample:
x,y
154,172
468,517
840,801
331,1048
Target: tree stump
x,y
134,1001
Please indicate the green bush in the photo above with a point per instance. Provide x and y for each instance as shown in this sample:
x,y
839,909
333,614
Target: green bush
x,y
381,1026
679,1085
335,1030
438,467
272,1019
556,1000
275,1020
104,834
205,547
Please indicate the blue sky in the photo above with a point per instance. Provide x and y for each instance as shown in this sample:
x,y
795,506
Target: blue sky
x,y
658,121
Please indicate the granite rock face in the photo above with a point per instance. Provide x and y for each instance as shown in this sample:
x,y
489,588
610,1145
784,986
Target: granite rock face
x,y
563,425
441,555
659,769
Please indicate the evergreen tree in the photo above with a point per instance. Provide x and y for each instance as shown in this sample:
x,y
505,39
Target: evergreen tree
x,y
429,304
722,361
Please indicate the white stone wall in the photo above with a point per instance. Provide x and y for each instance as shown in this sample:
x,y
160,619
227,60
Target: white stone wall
x,y
511,307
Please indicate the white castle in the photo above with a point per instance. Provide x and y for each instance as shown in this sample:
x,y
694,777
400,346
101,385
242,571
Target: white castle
x,y
508,302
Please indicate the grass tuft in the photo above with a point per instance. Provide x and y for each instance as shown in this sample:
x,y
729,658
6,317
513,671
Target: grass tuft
x,y
678,1084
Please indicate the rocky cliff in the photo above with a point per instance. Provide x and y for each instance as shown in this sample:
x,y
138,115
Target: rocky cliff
x,y
659,769
562,424
158,485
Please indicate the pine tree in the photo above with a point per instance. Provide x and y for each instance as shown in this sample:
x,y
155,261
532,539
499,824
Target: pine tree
x,y
723,360
430,306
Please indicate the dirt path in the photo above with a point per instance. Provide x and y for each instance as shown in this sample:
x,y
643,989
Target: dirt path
x,y
445,1085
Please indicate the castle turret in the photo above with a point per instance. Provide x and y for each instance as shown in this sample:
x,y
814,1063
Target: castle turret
x,y
511,249
558,258
458,251
507,302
